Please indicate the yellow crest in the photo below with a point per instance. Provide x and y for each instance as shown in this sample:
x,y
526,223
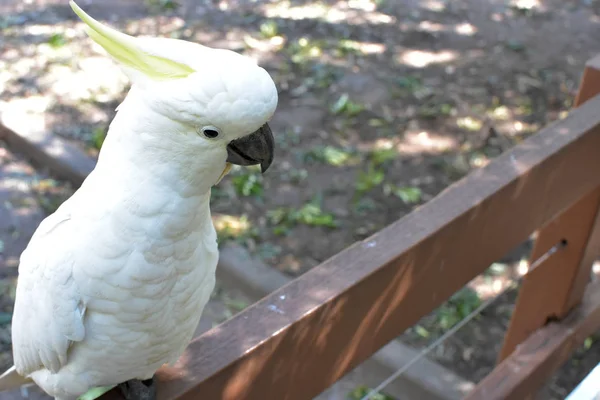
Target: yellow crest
x,y
125,49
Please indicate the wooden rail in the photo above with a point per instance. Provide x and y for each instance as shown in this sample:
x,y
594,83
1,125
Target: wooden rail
x,y
299,340
528,367
553,290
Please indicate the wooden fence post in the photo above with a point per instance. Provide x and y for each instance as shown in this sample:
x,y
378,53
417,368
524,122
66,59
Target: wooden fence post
x,y
557,285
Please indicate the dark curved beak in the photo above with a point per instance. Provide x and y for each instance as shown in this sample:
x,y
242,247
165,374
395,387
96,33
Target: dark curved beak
x,y
253,149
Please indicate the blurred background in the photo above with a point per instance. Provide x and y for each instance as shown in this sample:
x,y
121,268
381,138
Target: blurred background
x,y
383,104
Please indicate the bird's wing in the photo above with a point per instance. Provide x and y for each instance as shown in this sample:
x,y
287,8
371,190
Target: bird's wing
x,y
48,314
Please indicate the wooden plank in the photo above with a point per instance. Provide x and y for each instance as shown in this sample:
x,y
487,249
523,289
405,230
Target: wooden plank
x,y
547,292
523,372
590,82
556,286
63,159
299,340
590,87
584,273
424,380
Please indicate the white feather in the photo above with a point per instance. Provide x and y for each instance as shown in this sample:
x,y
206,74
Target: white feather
x,y
113,284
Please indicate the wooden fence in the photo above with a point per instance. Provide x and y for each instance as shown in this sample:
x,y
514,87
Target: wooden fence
x,y
301,339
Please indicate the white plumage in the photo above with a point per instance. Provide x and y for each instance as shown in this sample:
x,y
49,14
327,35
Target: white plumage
x,y
112,285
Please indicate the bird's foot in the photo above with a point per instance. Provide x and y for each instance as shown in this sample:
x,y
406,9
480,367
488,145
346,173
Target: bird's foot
x,y
139,390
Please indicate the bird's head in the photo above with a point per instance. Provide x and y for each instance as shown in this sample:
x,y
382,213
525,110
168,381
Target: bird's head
x,y
212,98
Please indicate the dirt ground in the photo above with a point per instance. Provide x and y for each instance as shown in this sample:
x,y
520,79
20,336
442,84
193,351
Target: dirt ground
x,y
383,104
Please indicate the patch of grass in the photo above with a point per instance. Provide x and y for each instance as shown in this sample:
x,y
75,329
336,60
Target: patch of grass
x,y
231,227
362,391
295,175
421,331
365,205
408,194
432,111
311,214
269,29
57,40
248,184
304,50
98,137
236,305
524,106
218,193
382,156
461,304
50,194
50,204
500,113
346,107
369,179
321,76
331,155
162,5
409,83
469,123
377,122
344,48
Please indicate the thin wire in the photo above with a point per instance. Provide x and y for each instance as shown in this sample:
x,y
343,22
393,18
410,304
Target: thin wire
x,y
459,325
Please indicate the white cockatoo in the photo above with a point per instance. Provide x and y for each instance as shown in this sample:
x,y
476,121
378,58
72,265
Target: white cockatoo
x,y
112,285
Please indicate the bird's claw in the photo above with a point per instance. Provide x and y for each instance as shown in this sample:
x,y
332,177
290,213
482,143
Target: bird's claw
x,y
139,390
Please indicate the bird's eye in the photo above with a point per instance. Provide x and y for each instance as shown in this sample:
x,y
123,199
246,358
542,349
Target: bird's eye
x,y
209,132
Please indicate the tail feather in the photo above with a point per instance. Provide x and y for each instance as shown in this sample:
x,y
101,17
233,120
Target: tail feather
x,y
12,380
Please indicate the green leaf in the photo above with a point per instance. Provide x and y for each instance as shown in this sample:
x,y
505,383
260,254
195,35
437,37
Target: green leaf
x,y
309,214
248,185
340,104
57,40
365,205
409,82
346,107
369,179
329,155
408,194
268,29
98,137
424,333
361,391
382,156
235,304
